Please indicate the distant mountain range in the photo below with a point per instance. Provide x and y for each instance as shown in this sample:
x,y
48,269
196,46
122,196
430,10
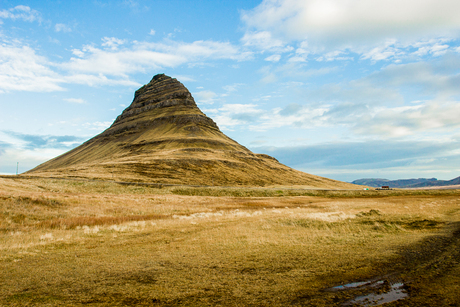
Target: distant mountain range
x,y
406,183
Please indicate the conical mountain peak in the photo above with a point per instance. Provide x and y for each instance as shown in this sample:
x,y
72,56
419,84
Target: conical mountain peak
x,y
162,87
163,137
162,97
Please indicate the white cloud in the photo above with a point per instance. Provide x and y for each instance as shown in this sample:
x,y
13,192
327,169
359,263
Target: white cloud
x,y
232,88
111,63
432,46
269,78
30,149
438,78
250,116
123,62
142,56
273,58
376,106
152,32
134,5
206,97
238,108
293,115
232,115
295,59
78,53
112,42
337,55
21,69
397,51
438,50
21,12
98,80
430,117
184,78
264,41
97,126
60,27
199,50
75,100
382,52
338,23
294,68
27,158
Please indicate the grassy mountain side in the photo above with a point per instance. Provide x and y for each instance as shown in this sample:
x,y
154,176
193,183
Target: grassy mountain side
x,y
163,137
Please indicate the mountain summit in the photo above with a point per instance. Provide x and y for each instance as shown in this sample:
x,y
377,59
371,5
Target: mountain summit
x,y
163,137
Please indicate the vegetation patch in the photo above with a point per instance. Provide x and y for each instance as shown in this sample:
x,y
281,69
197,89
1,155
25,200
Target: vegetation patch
x,y
72,223
424,224
310,223
38,201
93,246
371,212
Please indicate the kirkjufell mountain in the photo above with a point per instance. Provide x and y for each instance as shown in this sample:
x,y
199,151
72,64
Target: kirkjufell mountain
x,y
163,137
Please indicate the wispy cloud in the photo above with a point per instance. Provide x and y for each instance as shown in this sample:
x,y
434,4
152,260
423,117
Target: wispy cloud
x,y
112,42
200,50
75,100
4,146
34,141
60,27
21,12
120,63
142,56
273,58
97,126
430,117
231,115
265,41
232,87
205,97
21,69
112,63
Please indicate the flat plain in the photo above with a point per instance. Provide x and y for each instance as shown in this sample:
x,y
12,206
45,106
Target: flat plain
x,y
75,243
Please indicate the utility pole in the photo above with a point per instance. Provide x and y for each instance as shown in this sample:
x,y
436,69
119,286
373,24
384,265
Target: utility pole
x,y
17,168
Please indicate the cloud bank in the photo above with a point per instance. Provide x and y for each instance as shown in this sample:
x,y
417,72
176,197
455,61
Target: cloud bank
x,y
338,23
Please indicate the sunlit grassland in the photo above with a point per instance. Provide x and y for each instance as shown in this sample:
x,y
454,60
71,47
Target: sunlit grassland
x,y
95,243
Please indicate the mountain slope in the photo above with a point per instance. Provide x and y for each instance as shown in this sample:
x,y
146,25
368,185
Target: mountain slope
x,y
164,137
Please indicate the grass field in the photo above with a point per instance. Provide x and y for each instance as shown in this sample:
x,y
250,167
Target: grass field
x,y
74,243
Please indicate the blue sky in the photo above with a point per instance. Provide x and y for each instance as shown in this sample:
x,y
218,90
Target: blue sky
x,y
342,89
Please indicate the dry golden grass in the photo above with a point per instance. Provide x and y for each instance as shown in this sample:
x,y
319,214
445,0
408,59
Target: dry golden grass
x,y
103,244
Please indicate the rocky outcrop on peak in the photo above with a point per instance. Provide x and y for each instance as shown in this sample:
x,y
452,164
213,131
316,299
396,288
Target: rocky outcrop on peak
x,y
166,100
161,92
163,137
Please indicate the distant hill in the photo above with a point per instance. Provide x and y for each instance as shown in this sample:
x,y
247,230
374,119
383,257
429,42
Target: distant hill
x,y
406,183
